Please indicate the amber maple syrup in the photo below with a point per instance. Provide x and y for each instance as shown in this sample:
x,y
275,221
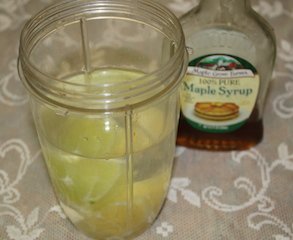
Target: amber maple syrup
x,y
244,138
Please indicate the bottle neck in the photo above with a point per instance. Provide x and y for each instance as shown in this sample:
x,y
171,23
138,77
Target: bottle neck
x,y
227,6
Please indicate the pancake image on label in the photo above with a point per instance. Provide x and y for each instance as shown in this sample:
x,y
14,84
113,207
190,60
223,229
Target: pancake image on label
x,y
216,111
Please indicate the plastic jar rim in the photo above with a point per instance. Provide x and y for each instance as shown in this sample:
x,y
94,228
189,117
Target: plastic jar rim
x,y
178,60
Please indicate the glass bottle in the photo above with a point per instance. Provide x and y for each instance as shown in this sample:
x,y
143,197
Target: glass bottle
x,y
232,54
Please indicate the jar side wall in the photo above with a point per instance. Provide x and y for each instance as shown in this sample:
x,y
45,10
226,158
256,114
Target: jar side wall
x,y
83,148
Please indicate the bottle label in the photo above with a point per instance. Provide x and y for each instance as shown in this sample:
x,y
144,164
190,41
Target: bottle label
x,y
219,93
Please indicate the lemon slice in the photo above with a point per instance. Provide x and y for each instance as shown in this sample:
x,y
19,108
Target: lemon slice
x,y
94,138
148,128
111,215
80,181
89,136
152,121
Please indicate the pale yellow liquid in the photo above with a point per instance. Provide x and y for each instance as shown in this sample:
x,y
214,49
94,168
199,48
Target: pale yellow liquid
x,y
105,192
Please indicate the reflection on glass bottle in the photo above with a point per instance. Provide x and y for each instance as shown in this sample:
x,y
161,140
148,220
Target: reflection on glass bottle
x,y
232,55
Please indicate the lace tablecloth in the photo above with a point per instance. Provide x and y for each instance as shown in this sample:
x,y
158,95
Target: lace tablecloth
x,y
231,195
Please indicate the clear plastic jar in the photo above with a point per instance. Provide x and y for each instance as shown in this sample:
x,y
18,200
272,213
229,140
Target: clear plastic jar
x,y
103,77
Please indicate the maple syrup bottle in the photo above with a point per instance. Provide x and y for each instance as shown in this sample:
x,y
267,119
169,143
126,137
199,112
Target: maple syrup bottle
x,y
232,56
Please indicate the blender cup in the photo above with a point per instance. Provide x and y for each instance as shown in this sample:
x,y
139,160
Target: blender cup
x,y
103,77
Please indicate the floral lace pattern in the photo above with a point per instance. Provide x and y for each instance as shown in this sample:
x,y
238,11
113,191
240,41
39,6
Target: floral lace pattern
x,y
236,195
